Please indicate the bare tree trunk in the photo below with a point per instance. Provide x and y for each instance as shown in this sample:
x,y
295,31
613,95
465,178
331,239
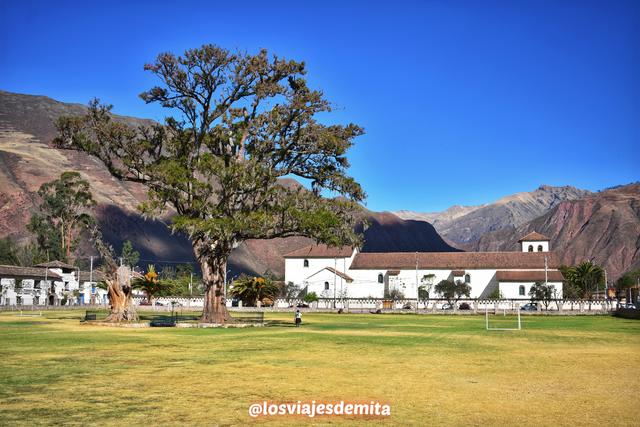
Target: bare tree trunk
x,y
120,296
215,309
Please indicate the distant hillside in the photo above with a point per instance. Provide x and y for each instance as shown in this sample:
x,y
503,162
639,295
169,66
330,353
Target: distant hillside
x,y
464,225
603,226
27,160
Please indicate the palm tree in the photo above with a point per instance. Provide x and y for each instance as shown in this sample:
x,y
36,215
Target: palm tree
x,y
253,289
586,277
149,283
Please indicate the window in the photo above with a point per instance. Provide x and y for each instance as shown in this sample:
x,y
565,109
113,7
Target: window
x,y
380,278
306,263
539,248
467,278
326,286
530,248
521,290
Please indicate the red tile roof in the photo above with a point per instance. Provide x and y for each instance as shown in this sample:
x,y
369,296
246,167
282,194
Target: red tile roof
x,y
321,251
98,276
457,273
528,276
453,260
340,273
534,236
57,264
11,271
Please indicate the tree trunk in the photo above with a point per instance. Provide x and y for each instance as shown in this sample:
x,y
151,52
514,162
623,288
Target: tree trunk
x,y
120,296
215,308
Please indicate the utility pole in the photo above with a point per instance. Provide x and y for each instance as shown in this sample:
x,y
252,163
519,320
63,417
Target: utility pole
x,y
417,288
546,276
605,283
335,265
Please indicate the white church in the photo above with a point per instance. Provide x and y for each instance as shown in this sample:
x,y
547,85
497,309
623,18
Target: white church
x,y
345,272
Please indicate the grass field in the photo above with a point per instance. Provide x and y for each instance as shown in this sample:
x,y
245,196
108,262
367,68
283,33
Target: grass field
x,y
432,370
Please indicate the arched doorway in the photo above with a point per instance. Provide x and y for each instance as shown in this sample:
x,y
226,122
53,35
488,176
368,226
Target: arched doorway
x,y
52,300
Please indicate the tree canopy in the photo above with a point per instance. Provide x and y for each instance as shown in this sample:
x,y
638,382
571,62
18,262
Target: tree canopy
x,y
128,255
542,292
583,279
239,125
63,214
453,291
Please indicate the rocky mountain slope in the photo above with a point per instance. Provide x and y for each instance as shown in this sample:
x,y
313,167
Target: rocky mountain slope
x,y
27,160
464,225
604,227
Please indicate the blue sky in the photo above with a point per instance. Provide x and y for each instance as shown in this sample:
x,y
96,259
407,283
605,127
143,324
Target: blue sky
x,y
462,101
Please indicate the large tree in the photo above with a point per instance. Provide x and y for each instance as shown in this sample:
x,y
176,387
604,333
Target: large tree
x,y
239,122
64,214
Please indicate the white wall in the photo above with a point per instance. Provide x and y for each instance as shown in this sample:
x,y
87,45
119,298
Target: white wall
x,y
316,283
525,246
512,289
366,284
295,272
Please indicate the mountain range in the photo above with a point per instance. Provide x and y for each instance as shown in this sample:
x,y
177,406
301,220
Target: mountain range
x,y
463,226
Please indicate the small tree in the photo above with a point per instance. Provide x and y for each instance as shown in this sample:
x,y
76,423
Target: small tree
x,y
396,294
496,294
453,291
626,281
289,291
543,293
8,252
129,256
424,290
63,214
310,298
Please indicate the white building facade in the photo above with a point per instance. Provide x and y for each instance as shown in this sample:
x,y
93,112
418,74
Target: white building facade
x,y
53,283
348,273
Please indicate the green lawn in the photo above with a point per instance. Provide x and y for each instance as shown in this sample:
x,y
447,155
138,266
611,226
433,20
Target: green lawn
x,y
432,370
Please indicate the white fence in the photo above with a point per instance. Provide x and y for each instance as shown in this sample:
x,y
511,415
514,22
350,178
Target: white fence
x,y
406,305
360,305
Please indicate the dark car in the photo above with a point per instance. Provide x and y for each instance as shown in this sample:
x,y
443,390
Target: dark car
x,y
532,306
464,306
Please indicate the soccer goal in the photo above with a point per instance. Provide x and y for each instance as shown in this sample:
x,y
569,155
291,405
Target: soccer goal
x,y
502,320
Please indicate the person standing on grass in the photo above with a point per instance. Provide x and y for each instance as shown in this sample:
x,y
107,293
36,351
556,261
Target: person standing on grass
x,y
298,318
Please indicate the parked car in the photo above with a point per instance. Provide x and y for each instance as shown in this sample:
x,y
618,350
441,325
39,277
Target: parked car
x,y
303,305
158,303
464,306
628,305
532,306
446,306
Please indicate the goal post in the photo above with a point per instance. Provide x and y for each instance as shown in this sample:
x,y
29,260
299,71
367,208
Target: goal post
x,y
502,321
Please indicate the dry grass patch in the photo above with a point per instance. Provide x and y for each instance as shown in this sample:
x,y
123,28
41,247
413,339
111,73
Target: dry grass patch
x,y
436,370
